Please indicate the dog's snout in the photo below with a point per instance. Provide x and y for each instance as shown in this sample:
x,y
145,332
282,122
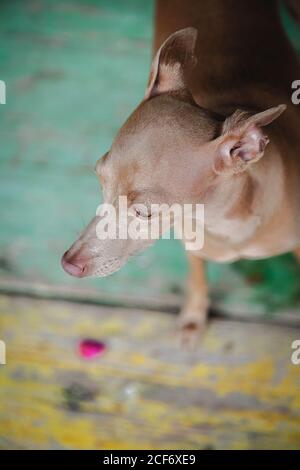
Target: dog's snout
x,y
72,266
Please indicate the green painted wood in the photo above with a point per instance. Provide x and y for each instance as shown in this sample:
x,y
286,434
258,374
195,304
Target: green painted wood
x,y
74,71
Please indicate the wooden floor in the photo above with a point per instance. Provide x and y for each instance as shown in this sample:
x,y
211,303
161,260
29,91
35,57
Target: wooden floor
x,y
238,391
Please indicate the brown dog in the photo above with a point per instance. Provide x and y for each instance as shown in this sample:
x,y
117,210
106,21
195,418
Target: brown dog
x,y
209,133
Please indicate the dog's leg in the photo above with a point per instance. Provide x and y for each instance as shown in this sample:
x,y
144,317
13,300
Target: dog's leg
x,y
297,254
294,9
192,318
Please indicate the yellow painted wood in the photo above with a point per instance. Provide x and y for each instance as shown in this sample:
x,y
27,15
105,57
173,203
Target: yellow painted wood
x,y
238,391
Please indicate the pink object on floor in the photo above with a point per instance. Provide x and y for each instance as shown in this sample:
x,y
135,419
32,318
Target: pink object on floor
x,y
90,348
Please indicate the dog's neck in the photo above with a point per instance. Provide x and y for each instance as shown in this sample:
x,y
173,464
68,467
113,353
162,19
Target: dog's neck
x,y
230,73
246,199
212,17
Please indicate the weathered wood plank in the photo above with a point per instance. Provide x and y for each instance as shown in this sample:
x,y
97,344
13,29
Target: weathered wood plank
x,y
239,390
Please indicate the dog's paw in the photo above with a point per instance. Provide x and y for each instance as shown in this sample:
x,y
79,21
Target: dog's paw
x,y
191,327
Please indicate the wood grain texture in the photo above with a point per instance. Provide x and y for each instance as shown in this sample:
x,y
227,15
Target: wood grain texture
x,y
238,391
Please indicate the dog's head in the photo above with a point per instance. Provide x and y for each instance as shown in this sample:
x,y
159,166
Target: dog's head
x,y
169,151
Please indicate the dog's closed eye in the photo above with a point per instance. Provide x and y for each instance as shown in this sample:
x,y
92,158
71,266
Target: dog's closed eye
x,y
142,213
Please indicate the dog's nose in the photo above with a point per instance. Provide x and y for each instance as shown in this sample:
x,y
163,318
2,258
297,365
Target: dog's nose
x,y
76,268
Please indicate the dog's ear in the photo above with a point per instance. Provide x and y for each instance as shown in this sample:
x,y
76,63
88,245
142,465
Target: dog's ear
x,y
242,141
167,70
